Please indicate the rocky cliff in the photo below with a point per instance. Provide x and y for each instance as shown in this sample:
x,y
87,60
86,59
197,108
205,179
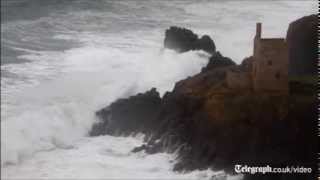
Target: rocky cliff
x,y
212,125
302,41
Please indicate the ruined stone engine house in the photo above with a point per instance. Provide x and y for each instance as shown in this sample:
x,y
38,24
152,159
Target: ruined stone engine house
x,y
270,63
266,70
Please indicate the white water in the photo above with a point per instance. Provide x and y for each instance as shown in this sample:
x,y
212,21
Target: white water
x,y
48,103
94,157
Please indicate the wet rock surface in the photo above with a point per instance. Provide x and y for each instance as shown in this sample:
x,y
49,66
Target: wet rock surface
x,y
182,40
210,125
127,116
218,131
217,60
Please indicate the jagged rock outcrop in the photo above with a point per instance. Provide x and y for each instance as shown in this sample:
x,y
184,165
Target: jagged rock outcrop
x,y
127,116
205,43
217,60
302,41
182,40
213,125
210,125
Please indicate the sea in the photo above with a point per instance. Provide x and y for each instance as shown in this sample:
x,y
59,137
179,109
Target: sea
x,y
62,60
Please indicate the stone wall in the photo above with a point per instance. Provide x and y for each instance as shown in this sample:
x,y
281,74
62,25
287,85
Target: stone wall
x,y
239,80
270,66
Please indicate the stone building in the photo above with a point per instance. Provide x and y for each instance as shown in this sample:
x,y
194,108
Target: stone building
x,y
270,63
266,70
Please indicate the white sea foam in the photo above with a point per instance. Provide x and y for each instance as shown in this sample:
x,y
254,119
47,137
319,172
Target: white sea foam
x,y
56,112
95,158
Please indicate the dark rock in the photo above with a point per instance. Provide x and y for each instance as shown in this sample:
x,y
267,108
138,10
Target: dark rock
x,y
205,43
154,148
302,41
148,148
139,148
182,40
212,126
216,61
127,116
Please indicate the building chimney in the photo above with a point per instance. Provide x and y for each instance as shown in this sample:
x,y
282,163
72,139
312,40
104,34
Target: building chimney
x,y
258,30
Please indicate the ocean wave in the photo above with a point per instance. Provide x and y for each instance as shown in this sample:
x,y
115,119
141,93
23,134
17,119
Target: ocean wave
x,y
56,112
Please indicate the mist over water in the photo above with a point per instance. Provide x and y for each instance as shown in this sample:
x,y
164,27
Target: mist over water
x,y
63,60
